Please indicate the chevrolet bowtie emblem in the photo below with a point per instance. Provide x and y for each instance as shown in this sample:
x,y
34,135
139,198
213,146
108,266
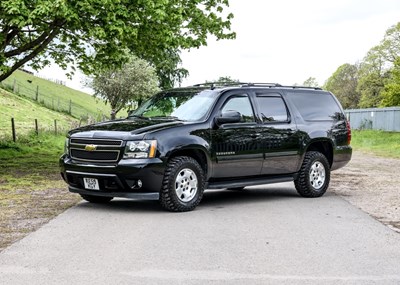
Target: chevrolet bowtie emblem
x,y
90,147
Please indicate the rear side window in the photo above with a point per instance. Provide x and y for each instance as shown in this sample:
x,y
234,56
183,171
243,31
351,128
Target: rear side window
x,y
316,106
272,109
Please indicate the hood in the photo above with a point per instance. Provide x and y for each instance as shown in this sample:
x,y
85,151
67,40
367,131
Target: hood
x,y
124,127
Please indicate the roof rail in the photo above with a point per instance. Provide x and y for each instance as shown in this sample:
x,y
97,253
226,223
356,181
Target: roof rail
x,y
303,87
213,85
262,84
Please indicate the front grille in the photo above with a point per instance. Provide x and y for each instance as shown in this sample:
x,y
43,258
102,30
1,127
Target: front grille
x,y
94,155
96,142
95,150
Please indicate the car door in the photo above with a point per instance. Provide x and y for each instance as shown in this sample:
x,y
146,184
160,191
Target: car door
x,y
278,133
235,146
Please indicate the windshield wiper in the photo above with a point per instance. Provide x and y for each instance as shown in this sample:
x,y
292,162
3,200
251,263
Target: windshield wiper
x,y
138,116
167,118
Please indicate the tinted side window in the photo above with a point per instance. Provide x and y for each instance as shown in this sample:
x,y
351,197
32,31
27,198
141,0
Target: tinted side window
x,y
315,106
272,109
242,105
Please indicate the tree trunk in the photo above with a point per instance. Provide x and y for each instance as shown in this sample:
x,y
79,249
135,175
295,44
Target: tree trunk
x,y
113,114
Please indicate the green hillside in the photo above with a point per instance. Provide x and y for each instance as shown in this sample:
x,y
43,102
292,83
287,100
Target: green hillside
x,y
56,96
25,111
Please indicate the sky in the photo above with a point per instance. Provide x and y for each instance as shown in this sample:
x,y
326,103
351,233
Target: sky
x,y
285,41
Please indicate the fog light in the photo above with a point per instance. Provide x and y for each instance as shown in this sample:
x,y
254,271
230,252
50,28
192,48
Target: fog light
x,y
139,183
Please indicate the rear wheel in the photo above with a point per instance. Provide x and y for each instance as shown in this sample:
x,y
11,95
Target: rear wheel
x,y
314,175
183,185
96,199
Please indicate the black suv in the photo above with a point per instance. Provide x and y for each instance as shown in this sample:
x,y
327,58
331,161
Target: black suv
x,y
185,140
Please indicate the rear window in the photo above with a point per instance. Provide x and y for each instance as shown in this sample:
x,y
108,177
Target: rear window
x,y
316,106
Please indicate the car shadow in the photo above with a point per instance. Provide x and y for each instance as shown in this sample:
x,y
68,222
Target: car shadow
x,y
221,198
211,199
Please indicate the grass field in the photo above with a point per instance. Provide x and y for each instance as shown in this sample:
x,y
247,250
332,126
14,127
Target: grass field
x,y
31,189
381,143
25,111
35,158
56,96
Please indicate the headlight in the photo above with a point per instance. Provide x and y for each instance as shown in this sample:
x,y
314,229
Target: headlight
x,y
140,149
66,145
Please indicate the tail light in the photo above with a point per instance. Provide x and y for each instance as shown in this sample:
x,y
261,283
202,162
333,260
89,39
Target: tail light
x,y
348,132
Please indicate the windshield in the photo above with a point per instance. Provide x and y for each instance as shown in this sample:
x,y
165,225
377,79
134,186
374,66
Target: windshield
x,y
186,106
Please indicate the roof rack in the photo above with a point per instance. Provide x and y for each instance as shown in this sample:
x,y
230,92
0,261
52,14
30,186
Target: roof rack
x,y
303,87
213,85
263,84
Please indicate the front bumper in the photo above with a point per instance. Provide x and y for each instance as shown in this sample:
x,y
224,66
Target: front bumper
x,y
120,180
130,195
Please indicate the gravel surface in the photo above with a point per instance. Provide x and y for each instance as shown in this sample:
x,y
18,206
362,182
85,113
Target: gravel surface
x,y
372,184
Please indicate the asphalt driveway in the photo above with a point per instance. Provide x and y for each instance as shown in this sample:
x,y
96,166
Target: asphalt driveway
x,y
267,234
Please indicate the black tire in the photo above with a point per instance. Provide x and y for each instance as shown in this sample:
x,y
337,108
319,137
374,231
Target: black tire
x,y
96,199
314,175
183,185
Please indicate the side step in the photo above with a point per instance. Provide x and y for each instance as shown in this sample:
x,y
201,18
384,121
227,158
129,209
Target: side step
x,y
248,182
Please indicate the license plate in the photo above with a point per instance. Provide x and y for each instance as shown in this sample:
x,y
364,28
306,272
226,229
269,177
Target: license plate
x,y
91,183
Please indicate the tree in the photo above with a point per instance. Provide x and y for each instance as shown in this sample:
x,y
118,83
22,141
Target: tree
x,y
311,82
343,83
390,45
91,34
375,68
391,92
134,82
372,74
223,79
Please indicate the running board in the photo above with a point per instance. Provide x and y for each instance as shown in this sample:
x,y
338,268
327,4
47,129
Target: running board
x,y
248,182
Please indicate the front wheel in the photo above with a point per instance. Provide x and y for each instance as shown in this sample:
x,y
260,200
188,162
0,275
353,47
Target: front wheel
x,y
183,185
314,175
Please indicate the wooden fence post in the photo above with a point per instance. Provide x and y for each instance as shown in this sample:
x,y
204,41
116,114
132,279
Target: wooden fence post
x,y
36,127
55,127
37,93
13,129
70,106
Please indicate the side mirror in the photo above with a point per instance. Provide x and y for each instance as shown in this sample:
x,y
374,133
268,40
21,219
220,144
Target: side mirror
x,y
228,117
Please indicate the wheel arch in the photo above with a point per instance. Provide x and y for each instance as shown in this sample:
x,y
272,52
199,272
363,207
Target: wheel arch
x,y
198,154
324,146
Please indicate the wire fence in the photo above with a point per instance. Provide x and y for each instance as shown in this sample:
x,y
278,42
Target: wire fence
x,y
12,129
57,104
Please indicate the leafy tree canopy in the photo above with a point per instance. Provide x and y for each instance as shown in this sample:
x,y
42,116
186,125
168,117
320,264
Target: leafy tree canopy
x,y
223,79
391,92
131,84
343,83
311,82
91,34
376,67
